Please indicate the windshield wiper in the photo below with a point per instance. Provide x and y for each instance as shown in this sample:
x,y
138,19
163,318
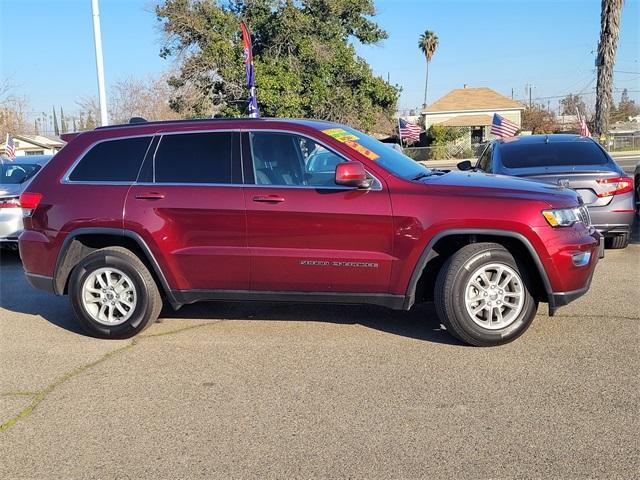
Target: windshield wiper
x,y
421,175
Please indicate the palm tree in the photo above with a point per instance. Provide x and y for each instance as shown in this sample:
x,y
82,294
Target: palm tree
x,y
428,43
607,46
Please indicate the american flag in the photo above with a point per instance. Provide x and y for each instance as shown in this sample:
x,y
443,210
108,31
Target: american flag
x,y
10,148
501,127
408,130
584,128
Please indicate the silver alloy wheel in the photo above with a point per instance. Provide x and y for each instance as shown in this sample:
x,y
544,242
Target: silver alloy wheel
x,y
109,296
494,296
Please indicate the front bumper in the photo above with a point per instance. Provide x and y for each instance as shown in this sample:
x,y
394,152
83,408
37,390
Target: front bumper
x,y
568,269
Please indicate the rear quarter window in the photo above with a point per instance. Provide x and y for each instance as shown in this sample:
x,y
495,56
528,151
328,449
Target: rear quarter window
x,y
552,154
112,161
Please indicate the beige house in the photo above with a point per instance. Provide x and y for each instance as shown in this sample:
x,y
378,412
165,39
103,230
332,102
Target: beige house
x,y
33,145
472,108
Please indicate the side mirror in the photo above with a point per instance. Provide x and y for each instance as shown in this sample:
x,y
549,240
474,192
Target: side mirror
x,y
352,174
464,165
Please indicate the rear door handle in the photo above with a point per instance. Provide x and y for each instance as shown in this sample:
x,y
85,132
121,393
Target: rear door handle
x,y
269,199
150,196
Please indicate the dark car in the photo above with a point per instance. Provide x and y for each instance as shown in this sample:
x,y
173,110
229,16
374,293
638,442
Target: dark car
x,y
573,161
294,210
14,177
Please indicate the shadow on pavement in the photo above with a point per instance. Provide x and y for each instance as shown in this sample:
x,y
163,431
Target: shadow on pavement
x,y
16,295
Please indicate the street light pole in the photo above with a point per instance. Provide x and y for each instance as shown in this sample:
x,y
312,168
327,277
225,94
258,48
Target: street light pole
x,y
97,37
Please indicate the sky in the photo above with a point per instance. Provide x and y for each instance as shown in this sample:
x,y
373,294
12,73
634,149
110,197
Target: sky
x,y
47,50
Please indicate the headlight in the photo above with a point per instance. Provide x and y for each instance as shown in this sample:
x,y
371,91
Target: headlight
x,y
562,217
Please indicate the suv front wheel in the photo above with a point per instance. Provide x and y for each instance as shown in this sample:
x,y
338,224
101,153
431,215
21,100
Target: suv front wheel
x,y
482,296
113,294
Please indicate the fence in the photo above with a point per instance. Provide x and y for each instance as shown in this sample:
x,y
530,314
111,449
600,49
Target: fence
x,y
443,152
622,143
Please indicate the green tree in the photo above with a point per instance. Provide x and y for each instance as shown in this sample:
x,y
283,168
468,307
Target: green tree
x,y
611,12
56,130
625,109
572,105
428,43
63,122
305,64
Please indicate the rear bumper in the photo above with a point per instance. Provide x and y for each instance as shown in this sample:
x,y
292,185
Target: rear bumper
x,y
10,224
609,230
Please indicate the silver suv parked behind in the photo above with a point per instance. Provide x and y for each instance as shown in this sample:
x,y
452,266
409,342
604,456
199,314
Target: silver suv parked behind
x,y
14,177
569,161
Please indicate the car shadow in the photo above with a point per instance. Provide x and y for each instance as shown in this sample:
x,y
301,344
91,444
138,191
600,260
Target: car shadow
x,y
421,323
635,231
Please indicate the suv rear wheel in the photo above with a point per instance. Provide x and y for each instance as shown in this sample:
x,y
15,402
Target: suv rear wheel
x,y
482,296
113,293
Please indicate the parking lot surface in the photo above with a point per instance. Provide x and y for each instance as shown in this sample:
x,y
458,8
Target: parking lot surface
x,y
257,390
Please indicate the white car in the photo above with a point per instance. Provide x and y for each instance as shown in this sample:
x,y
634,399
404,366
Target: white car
x,y
14,177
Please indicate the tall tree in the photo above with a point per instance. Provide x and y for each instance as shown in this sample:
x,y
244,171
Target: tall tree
x,y
607,47
428,43
56,130
572,105
63,122
305,61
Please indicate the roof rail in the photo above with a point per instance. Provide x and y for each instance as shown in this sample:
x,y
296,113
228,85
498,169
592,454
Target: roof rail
x,y
136,121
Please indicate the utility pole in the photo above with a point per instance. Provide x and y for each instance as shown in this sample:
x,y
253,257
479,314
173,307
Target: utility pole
x,y
97,37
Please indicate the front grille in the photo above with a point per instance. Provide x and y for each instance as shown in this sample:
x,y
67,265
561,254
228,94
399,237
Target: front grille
x,y
583,214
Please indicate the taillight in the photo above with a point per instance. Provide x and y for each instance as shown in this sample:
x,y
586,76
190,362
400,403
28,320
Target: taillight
x,y
615,186
12,202
30,200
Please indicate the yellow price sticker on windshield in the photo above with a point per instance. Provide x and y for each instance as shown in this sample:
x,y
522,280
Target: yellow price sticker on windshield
x,y
340,134
362,150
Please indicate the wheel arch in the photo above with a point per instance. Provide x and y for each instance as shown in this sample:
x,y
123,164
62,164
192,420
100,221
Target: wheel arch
x,y
444,243
81,242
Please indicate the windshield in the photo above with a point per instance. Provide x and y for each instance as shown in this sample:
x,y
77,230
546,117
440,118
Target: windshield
x,y
389,158
552,154
16,173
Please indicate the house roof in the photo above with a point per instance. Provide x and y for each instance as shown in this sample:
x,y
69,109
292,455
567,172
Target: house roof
x,y
467,121
37,140
469,99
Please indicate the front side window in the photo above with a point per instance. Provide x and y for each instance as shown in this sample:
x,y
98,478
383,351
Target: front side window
x,y
194,158
112,161
292,160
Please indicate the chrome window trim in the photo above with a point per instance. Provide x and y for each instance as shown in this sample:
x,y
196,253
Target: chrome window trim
x,y
376,187
65,179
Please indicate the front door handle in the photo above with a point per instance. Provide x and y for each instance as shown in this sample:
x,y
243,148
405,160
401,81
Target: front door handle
x,y
268,199
150,196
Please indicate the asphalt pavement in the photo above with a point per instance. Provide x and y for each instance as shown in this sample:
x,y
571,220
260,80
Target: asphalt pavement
x,y
263,390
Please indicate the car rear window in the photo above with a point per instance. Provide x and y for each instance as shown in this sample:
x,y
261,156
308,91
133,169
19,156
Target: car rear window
x,y
194,158
112,161
551,154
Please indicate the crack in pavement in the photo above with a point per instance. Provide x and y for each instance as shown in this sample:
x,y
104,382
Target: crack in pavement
x,y
39,396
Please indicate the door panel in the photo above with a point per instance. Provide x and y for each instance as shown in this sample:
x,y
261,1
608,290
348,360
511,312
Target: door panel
x,y
315,238
199,232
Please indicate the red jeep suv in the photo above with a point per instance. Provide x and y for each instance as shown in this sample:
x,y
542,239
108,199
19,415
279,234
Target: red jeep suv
x,y
294,210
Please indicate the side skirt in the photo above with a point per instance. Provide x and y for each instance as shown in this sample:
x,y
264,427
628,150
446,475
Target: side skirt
x,y
395,302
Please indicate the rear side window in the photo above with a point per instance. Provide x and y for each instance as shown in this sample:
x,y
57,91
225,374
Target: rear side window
x,y
194,158
552,154
112,161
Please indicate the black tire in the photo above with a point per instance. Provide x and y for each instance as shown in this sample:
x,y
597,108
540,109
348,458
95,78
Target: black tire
x,y
450,295
148,300
617,242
